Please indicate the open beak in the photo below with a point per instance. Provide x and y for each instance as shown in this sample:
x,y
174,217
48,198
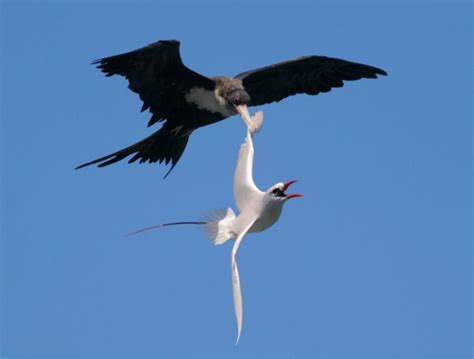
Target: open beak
x,y
292,195
244,113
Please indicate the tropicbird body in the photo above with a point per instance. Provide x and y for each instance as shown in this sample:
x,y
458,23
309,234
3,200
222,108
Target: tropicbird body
x,y
258,210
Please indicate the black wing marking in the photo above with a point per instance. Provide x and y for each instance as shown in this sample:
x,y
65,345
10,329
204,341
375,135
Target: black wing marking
x,y
165,145
158,75
310,75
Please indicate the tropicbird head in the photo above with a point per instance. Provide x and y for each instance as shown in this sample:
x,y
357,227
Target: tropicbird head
x,y
276,193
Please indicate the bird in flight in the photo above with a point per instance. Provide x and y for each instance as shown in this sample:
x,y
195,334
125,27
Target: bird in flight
x,y
185,100
258,210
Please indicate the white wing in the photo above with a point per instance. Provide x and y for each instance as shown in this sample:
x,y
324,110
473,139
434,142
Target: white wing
x,y
254,123
257,122
236,280
244,186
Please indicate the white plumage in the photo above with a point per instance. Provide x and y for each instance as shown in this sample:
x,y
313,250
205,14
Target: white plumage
x,y
258,210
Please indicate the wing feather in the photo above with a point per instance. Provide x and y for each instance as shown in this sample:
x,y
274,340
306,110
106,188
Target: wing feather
x,y
236,289
157,74
244,186
310,75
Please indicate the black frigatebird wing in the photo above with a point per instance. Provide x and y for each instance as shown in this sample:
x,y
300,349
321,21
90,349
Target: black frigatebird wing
x,y
310,74
157,74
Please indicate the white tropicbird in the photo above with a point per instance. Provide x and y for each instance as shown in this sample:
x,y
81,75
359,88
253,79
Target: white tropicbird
x,y
259,210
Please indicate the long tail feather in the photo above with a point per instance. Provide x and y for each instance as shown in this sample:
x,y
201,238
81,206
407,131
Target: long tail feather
x,y
161,225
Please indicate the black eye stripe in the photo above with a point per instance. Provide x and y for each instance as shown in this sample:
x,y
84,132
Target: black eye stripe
x,y
278,192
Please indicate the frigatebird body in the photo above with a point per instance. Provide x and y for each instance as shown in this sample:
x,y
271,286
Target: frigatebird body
x,y
185,100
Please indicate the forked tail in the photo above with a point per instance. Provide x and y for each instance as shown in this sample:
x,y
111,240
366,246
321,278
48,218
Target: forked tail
x,y
165,145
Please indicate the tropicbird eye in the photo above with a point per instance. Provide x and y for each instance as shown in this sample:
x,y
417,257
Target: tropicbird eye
x,y
277,192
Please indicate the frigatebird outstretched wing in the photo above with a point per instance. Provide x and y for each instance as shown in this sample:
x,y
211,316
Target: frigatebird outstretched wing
x,y
158,75
309,74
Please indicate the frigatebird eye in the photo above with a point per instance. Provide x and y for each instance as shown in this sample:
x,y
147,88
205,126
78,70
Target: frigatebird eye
x,y
236,101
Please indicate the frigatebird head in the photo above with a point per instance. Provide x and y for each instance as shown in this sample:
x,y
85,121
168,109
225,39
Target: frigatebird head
x,y
277,192
238,100
237,96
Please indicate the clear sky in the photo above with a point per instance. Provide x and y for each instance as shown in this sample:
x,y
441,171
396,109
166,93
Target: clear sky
x,y
374,261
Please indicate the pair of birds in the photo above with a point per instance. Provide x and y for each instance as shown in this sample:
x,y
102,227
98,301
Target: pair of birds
x,y
185,101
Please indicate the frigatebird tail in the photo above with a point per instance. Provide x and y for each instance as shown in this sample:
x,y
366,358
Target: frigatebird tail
x,y
166,145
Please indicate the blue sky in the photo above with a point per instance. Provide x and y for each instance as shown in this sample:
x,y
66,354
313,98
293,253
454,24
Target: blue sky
x,y
375,261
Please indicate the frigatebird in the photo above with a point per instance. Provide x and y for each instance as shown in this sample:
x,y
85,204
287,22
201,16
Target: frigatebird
x,y
185,100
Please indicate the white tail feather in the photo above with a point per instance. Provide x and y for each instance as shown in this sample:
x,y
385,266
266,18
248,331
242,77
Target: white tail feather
x,y
218,226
